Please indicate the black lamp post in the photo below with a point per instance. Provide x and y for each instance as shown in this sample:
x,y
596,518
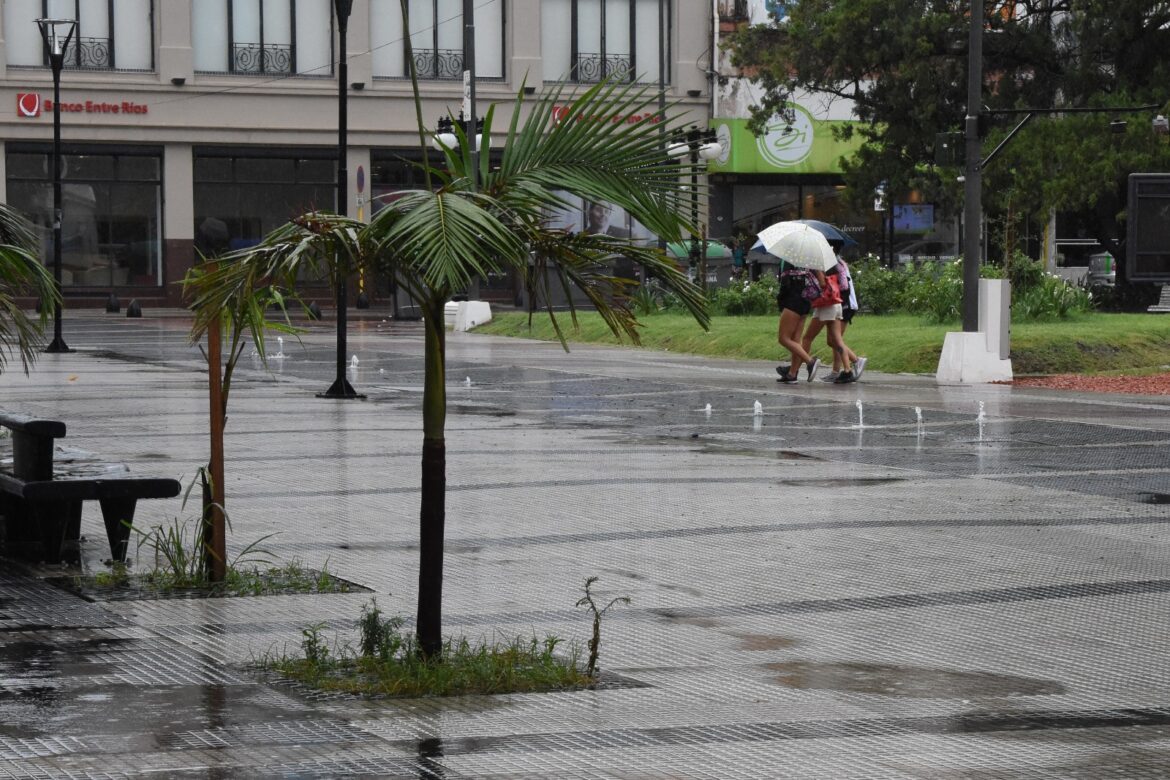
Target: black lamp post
x,y
341,387
699,144
57,34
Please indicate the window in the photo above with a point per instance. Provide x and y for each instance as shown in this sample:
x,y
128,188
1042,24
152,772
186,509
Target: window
x,y
111,211
436,39
589,40
263,36
111,34
253,192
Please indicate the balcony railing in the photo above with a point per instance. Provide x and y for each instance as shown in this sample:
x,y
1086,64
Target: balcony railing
x,y
442,64
257,58
591,68
89,53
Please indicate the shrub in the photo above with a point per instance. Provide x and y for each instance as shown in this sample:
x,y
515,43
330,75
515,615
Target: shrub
x,y
879,290
746,297
1051,297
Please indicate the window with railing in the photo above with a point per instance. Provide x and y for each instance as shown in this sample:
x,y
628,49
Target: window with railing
x,y
589,40
436,39
110,34
293,37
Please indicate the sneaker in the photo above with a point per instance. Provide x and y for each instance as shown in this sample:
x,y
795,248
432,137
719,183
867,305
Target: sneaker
x,y
788,378
812,369
845,377
859,367
831,376
782,369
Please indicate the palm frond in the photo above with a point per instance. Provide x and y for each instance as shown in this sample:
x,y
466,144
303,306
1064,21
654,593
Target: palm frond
x,y
22,274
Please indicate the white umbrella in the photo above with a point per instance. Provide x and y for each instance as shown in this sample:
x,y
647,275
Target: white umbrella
x,y
798,244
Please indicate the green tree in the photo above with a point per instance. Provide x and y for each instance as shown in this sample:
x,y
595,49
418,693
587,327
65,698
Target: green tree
x,y
21,274
436,240
903,64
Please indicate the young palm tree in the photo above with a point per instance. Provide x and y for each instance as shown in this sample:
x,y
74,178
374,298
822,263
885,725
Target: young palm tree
x,y
21,274
437,240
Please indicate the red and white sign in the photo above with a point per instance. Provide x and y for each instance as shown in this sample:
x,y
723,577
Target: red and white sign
x,y
28,104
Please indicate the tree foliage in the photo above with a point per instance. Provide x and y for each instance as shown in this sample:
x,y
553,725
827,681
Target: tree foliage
x,y
21,274
903,65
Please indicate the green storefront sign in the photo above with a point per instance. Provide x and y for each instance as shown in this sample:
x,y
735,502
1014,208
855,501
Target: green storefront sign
x,y
805,146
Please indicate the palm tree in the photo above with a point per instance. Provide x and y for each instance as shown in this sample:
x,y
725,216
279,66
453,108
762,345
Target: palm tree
x,y
435,241
21,274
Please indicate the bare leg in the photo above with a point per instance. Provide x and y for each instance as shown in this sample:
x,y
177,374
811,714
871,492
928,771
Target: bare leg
x,y
789,337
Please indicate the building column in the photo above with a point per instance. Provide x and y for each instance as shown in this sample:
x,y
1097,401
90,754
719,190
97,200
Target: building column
x,y
178,219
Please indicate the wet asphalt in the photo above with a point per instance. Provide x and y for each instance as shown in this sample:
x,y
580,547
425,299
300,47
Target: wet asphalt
x,y
891,579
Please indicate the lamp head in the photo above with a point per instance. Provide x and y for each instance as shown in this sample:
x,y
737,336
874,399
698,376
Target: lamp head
x,y
57,33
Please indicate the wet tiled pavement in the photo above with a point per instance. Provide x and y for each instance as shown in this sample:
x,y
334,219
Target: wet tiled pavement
x,y
869,581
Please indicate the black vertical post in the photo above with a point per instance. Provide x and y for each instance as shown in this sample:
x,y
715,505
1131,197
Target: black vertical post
x,y
56,51
341,387
973,181
693,148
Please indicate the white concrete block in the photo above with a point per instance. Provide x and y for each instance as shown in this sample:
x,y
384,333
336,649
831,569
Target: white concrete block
x,y
472,313
450,312
965,359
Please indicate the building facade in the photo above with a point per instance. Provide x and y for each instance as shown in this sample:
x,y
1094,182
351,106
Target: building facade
x,y
176,112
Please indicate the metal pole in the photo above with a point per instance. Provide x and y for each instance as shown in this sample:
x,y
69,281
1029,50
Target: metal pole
x,y
693,143
973,182
56,62
341,387
472,123
469,86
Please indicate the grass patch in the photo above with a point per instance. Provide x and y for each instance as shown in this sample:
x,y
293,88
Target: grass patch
x,y
387,660
120,583
178,569
895,343
387,663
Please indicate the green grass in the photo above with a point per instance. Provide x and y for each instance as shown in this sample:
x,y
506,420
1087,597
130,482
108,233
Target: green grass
x,y
1093,343
387,663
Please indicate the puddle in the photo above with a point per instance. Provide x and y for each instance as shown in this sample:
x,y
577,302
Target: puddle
x,y
670,616
907,681
760,642
842,483
482,411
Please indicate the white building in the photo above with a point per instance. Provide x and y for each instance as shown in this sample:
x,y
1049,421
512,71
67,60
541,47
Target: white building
x,y
179,111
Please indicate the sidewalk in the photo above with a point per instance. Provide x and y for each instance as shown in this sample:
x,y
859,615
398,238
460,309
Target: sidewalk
x,y
837,589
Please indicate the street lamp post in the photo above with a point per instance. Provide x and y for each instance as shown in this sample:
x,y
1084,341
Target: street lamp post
x,y
57,34
341,387
700,144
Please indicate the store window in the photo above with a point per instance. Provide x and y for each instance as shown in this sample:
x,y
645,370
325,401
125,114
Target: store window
x,y
111,212
253,192
111,34
436,38
589,40
263,36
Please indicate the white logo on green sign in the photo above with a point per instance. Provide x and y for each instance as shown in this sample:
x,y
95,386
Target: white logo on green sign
x,y
784,144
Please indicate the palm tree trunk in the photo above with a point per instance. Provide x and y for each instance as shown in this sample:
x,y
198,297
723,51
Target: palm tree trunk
x,y
432,512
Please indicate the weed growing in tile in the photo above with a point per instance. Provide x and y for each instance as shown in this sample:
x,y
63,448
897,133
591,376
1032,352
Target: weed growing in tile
x,y
595,641
388,662
118,576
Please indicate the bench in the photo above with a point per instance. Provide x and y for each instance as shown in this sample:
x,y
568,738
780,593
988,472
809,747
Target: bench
x,y
42,488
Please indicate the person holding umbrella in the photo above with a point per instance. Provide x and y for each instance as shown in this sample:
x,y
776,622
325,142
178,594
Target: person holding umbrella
x,y
806,255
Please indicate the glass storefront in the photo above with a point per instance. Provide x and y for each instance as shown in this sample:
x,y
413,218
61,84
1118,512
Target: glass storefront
x,y
111,211
253,192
